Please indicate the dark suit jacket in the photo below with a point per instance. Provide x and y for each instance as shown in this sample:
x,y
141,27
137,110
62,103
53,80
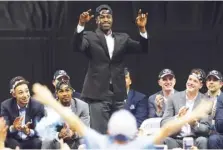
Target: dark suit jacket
x,y
178,100
219,114
9,110
152,105
136,103
101,68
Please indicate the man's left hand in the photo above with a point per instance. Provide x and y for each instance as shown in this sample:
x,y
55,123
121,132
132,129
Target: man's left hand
x,y
141,21
26,129
194,123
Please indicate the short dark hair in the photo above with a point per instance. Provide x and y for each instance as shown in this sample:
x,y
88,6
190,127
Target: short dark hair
x,y
16,81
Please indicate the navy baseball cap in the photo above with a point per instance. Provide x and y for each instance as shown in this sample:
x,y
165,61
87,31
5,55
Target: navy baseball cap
x,y
60,73
216,74
166,72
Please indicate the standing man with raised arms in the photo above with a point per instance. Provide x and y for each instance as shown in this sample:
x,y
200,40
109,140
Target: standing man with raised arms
x,y
104,86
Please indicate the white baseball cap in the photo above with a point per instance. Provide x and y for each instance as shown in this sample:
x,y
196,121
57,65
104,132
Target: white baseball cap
x,y
122,125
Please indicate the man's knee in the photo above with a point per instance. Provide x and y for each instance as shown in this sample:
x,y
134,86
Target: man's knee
x,y
36,143
12,143
47,144
213,138
171,143
201,142
214,141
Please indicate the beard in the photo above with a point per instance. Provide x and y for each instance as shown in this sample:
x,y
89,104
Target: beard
x,y
66,102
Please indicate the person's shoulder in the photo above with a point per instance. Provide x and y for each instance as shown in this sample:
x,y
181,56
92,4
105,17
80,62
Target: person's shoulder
x,y
121,34
176,91
89,33
203,96
177,95
220,97
153,96
138,93
7,102
35,103
81,102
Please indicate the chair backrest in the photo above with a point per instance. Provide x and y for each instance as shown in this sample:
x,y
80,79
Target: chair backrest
x,y
150,126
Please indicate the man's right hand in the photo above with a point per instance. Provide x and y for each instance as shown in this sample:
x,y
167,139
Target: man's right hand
x,y
17,124
65,133
85,17
182,112
159,102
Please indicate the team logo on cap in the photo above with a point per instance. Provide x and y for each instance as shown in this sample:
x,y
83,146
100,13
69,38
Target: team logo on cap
x,y
62,72
166,71
214,72
104,12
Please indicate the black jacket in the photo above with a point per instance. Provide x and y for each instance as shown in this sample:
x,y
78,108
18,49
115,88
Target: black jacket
x,y
101,68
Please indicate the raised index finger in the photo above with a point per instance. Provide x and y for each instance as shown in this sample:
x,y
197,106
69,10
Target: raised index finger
x,y
139,12
89,10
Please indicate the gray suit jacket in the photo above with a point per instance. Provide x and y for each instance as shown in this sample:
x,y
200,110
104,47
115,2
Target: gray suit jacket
x,y
178,100
81,109
153,107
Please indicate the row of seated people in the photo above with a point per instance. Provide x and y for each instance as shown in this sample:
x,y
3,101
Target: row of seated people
x,y
142,108
170,104
23,114
33,125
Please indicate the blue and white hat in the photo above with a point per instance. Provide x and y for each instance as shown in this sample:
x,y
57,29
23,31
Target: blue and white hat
x,y
122,126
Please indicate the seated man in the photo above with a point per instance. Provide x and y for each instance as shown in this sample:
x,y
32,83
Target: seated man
x,y
21,113
60,75
122,128
181,104
64,94
214,83
158,100
215,141
136,102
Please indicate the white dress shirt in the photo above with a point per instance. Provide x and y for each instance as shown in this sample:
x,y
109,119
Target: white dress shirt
x,y
186,129
109,39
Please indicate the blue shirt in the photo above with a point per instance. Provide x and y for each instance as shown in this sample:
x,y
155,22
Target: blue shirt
x,y
95,140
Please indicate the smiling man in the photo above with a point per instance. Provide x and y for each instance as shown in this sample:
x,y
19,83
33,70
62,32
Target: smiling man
x,y
182,104
158,100
64,93
214,84
62,75
21,113
104,86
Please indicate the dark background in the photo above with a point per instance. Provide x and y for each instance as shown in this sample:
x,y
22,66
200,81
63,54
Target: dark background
x,y
35,40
